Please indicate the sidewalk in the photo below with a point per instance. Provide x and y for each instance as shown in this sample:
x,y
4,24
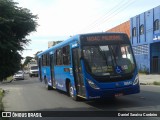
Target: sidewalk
x,y
149,79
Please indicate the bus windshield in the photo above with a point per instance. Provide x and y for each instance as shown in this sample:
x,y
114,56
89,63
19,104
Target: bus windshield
x,y
103,60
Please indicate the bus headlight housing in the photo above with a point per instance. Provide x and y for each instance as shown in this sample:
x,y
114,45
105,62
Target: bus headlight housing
x,y
136,81
92,84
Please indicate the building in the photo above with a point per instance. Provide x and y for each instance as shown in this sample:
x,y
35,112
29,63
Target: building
x,y
145,39
124,27
52,43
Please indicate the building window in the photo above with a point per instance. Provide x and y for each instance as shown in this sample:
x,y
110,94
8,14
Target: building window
x,y
156,25
141,49
141,30
134,32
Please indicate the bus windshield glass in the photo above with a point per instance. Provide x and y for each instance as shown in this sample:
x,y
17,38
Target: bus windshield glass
x,y
103,60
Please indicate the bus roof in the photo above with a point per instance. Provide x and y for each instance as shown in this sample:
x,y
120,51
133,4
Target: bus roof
x,y
75,38
63,43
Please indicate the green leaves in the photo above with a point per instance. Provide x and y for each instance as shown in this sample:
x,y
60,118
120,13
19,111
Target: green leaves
x,y
15,24
27,60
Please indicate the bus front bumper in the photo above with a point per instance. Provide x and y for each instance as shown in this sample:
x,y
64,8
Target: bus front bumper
x,y
110,93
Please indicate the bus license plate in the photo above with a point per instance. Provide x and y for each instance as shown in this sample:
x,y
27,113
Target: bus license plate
x,y
118,94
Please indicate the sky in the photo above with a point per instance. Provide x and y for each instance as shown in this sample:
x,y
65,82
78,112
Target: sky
x,y
60,19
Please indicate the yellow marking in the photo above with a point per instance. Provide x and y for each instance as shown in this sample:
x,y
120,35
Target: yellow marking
x,y
81,96
54,87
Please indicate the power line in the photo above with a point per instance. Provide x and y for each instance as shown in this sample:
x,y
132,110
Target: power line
x,y
118,5
104,16
110,14
109,20
117,11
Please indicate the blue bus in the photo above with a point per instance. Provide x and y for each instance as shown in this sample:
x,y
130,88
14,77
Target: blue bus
x,y
90,66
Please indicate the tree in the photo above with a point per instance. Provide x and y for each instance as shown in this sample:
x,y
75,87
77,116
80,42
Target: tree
x,y
15,24
35,56
27,60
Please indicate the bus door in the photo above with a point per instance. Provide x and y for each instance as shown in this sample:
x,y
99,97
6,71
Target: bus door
x,y
40,72
78,76
52,71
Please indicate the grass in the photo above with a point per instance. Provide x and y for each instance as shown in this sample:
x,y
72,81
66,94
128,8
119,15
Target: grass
x,y
8,79
1,105
156,83
1,95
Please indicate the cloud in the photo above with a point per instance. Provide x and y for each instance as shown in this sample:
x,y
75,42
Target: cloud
x,y
69,17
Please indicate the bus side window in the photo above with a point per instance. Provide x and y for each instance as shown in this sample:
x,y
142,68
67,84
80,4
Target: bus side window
x,y
59,57
66,55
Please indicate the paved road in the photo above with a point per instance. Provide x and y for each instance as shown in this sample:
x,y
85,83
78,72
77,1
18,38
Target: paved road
x,y
31,95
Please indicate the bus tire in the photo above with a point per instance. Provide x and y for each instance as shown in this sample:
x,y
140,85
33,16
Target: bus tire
x,y
71,92
49,87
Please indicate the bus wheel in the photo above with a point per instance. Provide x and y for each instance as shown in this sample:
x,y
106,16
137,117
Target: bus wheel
x,y
49,87
71,93
46,83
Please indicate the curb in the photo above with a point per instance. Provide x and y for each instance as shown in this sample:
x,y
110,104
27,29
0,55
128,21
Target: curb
x,y
146,84
3,82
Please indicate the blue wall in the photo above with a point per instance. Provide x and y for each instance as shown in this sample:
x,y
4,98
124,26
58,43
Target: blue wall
x,y
142,43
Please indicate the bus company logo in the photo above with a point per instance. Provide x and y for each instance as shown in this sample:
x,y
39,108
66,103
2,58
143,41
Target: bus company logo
x,y
117,85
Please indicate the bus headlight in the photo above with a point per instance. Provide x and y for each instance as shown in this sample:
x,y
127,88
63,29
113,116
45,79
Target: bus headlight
x,y
136,81
92,84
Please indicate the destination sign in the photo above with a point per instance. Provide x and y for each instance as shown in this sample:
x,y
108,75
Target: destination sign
x,y
103,37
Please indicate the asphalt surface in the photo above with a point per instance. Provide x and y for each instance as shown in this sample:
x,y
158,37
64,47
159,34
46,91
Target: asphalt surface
x,y
31,95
